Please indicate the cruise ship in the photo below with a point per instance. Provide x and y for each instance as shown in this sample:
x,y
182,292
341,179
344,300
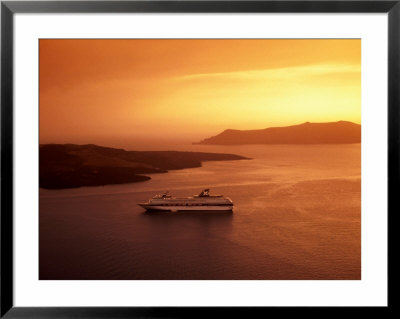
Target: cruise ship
x,y
202,202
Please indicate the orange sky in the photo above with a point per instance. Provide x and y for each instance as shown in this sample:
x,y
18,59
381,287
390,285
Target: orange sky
x,y
94,90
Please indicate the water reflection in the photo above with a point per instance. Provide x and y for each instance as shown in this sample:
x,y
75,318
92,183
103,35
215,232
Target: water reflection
x,y
302,224
189,213
209,218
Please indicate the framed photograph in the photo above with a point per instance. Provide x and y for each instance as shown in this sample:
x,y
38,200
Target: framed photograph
x,y
194,158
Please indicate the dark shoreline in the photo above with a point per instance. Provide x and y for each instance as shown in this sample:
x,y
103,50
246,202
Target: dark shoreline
x,y
64,166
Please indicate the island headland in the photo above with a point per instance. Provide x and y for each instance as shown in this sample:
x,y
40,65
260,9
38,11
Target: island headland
x,y
70,165
341,132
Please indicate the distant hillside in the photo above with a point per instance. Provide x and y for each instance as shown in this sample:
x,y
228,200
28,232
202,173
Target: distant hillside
x,y
70,165
341,132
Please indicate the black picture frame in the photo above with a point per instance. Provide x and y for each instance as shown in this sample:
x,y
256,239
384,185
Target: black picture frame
x,y
9,8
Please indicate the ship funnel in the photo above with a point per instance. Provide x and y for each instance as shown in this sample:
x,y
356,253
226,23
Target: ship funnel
x,y
205,193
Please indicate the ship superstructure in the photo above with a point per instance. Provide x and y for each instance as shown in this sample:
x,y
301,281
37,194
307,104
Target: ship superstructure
x,y
202,202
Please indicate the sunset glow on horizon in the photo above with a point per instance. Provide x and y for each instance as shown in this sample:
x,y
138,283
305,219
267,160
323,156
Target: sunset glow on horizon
x,y
92,90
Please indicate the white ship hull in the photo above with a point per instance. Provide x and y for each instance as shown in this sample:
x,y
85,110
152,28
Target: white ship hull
x,y
202,202
187,208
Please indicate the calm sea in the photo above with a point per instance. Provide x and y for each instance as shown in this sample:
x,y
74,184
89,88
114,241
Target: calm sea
x,y
297,215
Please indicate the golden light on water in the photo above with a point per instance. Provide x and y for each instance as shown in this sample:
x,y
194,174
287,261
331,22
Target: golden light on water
x,y
297,211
